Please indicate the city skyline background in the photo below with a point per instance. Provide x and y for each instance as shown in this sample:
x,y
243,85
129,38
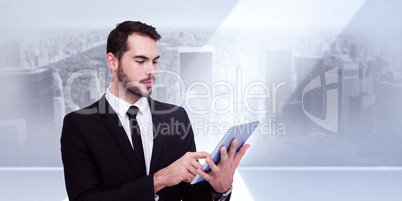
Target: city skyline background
x,y
50,66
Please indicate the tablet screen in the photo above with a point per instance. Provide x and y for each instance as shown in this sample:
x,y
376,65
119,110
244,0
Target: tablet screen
x,y
240,132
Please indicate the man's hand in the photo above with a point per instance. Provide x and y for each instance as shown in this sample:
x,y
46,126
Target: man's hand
x,y
221,176
183,169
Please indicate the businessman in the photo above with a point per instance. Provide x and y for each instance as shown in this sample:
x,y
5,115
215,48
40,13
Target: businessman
x,y
127,146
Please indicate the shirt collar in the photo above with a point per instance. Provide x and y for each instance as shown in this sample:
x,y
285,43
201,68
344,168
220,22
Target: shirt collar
x,y
121,107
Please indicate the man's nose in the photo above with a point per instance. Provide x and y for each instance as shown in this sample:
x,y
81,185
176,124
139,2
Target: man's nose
x,y
149,67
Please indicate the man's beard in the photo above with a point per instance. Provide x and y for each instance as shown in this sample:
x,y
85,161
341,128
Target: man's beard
x,y
129,86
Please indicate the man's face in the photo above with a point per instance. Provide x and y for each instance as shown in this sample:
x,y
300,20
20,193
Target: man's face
x,y
137,67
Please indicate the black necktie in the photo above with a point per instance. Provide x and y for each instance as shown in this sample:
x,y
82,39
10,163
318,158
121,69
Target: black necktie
x,y
136,136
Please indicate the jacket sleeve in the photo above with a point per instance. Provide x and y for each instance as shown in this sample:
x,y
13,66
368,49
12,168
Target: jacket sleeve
x,y
82,177
202,190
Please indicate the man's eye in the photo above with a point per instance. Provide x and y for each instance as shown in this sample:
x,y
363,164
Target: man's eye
x,y
140,62
155,62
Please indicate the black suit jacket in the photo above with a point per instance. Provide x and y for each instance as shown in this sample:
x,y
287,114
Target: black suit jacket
x,y
100,164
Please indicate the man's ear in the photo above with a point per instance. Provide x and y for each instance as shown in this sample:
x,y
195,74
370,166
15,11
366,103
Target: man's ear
x,y
112,61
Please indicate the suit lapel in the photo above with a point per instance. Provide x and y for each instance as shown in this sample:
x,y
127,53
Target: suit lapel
x,y
117,131
157,120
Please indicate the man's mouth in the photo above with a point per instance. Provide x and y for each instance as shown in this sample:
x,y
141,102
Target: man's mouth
x,y
147,83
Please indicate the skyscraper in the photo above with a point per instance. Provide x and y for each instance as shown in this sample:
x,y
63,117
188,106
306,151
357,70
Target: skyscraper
x,y
27,113
348,87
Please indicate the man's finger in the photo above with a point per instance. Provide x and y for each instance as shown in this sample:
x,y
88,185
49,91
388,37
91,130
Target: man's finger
x,y
240,154
224,154
232,149
204,175
195,164
192,170
212,165
199,155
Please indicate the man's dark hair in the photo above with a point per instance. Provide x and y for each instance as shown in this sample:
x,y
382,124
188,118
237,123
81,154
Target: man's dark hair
x,y
117,40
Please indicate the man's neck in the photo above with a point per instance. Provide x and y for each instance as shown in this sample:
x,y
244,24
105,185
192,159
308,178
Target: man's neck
x,y
120,92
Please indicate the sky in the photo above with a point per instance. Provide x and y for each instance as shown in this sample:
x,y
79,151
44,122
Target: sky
x,y
25,17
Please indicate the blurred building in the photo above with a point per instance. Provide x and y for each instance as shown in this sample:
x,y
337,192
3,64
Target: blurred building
x,y
349,86
196,64
27,98
58,101
27,117
195,69
278,70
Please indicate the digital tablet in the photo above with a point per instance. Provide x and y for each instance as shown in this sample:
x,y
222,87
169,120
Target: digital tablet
x,y
240,132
